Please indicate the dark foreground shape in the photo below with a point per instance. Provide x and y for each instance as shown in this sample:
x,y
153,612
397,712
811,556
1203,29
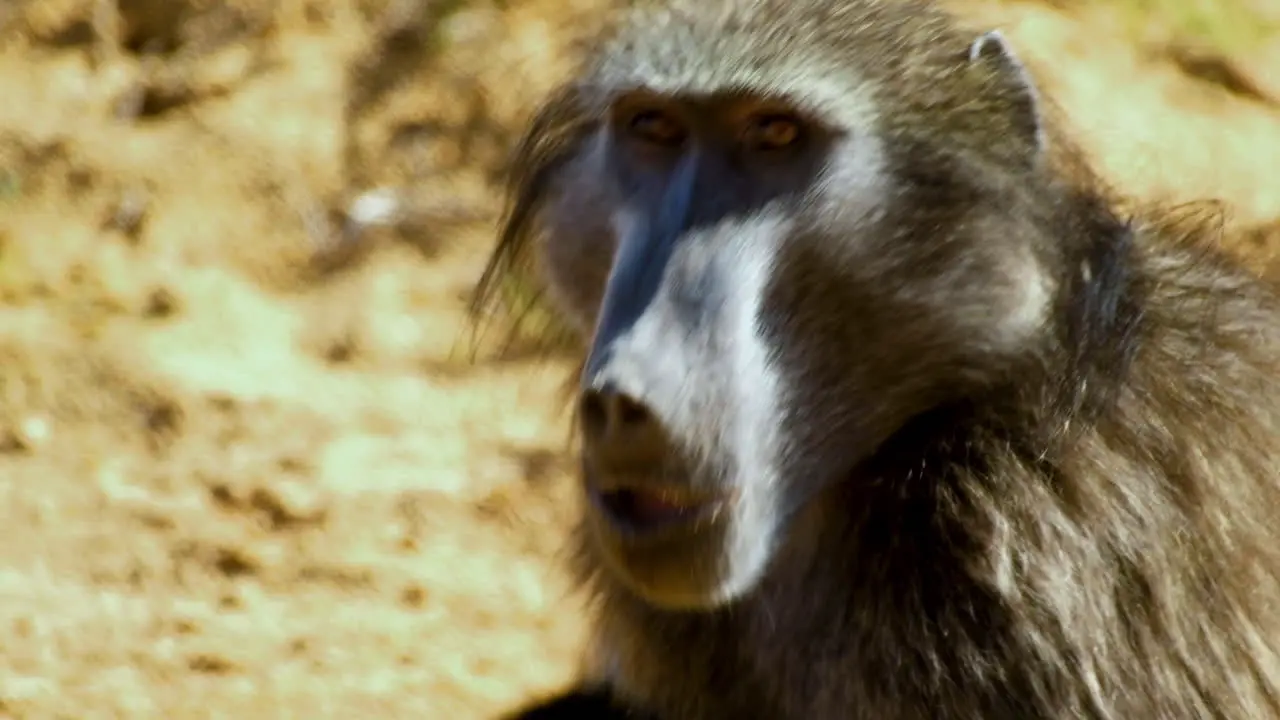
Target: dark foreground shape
x,y
582,703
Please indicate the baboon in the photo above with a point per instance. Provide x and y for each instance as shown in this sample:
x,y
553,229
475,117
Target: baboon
x,y
889,408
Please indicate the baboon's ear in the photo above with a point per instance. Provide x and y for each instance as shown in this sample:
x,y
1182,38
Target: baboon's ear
x,y
1015,84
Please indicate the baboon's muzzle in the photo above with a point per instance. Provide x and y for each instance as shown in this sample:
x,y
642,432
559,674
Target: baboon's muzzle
x,y
635,478
633,385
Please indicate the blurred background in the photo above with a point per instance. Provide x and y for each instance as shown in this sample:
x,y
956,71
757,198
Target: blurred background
x,y
248,467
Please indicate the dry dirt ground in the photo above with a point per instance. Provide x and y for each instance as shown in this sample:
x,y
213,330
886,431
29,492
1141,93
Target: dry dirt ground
x,y
247,468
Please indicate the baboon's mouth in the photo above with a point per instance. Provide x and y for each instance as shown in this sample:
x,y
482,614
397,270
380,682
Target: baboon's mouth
x,y
643,510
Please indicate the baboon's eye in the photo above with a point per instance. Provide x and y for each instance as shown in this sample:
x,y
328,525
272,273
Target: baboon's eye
x,y
656,127
772,132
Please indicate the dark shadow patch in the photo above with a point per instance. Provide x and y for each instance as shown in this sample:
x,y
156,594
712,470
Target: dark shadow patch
x,y
1213,68
159,98
78,33
169,27
538,465
207,664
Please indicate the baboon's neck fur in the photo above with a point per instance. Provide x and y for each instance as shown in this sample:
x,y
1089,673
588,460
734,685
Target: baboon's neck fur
x,y
1027,523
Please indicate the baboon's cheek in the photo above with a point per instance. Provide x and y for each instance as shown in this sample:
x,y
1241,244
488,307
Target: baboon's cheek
x,y
752,540
575,265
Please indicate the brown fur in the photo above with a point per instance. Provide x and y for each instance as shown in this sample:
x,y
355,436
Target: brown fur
x,y
1088,527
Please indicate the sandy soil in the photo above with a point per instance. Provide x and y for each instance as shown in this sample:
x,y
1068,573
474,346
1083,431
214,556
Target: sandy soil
x,y
247,467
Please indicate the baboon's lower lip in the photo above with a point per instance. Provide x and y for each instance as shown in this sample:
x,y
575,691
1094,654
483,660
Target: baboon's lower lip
x,y
643,510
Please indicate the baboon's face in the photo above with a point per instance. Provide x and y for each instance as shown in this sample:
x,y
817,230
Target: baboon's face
x,y
767,299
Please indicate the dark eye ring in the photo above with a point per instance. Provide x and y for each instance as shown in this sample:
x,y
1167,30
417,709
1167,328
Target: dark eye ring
x,y
773,132
656,127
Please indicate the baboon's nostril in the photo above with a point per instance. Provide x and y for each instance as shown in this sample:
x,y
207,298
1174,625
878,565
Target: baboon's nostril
x,y
595,413
607,412
629,412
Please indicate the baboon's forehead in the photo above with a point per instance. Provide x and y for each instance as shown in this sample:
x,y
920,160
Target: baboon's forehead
x,y
824,52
